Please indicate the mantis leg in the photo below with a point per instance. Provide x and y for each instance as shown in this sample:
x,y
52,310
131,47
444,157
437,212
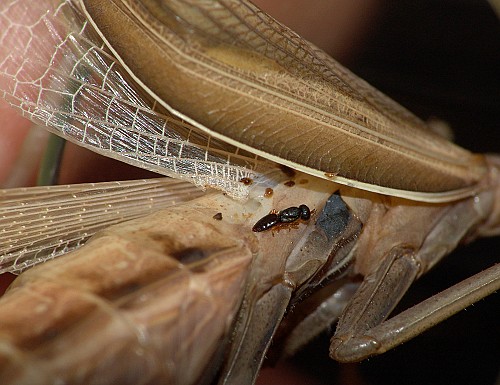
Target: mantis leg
x,y
319,319
362,332
417,319
326,243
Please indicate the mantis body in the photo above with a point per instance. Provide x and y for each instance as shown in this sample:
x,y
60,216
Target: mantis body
x,y
237,88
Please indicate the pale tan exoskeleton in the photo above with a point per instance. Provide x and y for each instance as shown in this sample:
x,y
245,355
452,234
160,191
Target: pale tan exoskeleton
x,y
216,92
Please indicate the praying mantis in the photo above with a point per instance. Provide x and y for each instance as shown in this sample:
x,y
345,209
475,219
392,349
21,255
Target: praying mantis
x,y
225,159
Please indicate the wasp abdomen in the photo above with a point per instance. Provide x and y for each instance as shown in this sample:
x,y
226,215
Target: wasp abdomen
x,y
266,222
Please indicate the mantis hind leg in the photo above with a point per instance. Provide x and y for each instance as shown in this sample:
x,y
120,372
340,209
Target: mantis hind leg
x,y
362,330
360,340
